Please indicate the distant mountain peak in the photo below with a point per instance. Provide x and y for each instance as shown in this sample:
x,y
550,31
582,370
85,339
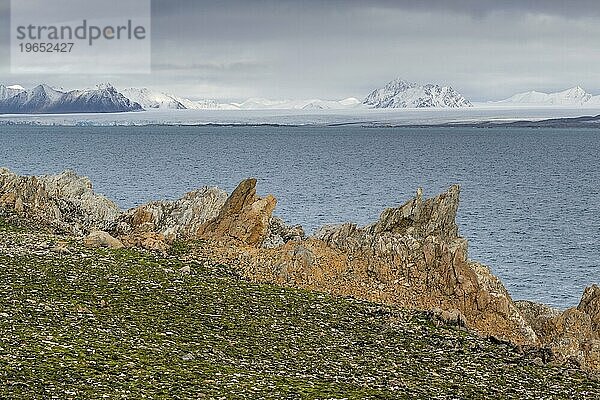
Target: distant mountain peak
x,y
574,96
7,92
42,88
401,83
400,93
105,86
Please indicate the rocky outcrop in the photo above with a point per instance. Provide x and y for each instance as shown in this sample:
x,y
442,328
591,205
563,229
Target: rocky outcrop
x,y
590,304
419,218
538,316
573,339
65,201
412,256
209,213
68,202
573,335
179,219
496,309
244,218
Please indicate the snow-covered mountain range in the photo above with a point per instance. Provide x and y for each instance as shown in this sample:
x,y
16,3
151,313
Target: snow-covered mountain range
x,y
402,94
575,96
43,99
150,99
311,104
106,98
398,93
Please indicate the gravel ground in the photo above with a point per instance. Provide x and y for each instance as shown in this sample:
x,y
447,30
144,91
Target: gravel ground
x,y
81,323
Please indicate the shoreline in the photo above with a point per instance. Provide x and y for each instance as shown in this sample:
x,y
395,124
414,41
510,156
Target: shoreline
x,y
479,117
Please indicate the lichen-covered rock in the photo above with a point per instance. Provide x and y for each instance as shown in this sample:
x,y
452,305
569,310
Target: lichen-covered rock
x,y
244,217
65,201
449,317
433,217
102,239
174,219
280,233
572,335
147,240
496,311
590,304
540,317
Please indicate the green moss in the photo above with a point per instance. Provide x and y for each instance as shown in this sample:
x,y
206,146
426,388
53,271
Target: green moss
x,y
131,324
6,226
180,247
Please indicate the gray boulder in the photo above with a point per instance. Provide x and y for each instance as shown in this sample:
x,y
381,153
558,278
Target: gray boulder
x,y
65,201
179,219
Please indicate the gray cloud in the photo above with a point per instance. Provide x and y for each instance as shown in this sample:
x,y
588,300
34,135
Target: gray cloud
x,y
477,8
223,67
334,49
482,8
4,34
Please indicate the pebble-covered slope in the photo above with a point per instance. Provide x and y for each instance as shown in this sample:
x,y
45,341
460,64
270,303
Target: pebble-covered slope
x,y
80,323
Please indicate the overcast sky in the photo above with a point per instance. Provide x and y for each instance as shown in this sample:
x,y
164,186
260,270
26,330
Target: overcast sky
x,y
233,50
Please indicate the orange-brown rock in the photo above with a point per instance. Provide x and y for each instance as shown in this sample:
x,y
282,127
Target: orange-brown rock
x,y
147,240
244,217
540,317
572,338
411,256
572,335
590,304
